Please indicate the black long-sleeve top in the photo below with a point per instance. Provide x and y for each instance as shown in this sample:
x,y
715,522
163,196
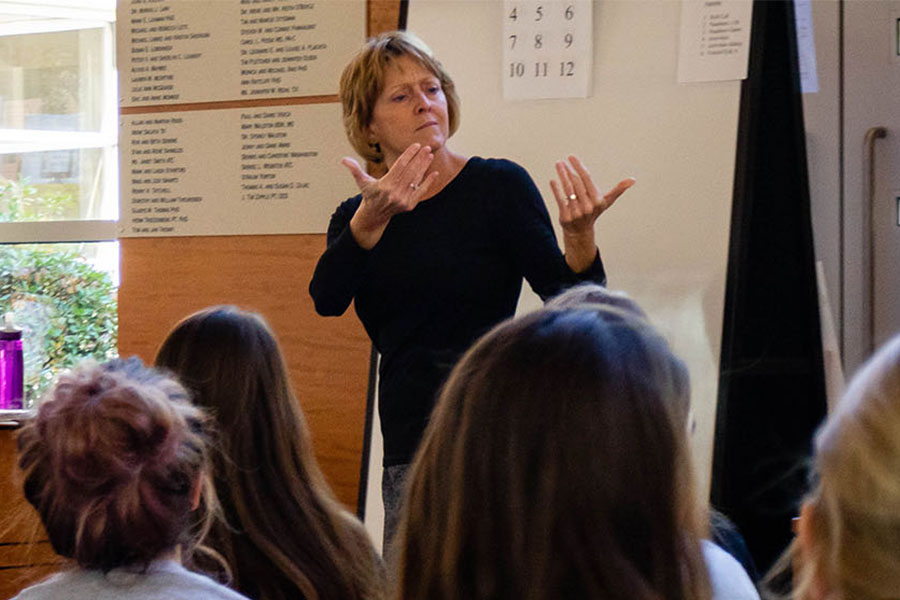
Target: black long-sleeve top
x,y
440,276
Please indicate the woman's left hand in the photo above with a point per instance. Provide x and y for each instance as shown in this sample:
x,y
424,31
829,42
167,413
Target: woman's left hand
x,y
578,199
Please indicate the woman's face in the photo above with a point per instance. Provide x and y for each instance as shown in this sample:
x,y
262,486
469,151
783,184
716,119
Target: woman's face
x,y
410,108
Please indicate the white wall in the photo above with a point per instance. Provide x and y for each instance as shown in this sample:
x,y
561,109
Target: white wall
x,y
666,240
374,514
821,113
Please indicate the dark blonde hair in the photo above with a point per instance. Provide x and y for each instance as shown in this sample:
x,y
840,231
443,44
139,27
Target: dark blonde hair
x,y
111,463
363,81
286,535
855,516
553,468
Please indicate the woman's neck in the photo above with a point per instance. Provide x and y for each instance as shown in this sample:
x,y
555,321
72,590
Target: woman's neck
x,y
447,164
174,555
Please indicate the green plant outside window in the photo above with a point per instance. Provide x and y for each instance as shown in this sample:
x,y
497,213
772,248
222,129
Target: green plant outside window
x,y
66,306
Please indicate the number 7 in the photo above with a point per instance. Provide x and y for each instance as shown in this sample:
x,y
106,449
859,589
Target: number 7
x,y
512,41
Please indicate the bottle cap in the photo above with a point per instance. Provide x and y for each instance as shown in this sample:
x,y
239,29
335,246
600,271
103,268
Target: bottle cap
x,y
10,331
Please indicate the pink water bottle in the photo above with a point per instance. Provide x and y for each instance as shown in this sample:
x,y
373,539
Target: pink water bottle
x,y
12,369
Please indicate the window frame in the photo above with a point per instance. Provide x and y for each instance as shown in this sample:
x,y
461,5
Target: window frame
x,y
50,16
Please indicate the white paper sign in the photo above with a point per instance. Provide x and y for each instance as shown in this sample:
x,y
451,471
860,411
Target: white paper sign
x,y
233,171
183,51
715,40
547,48
806,47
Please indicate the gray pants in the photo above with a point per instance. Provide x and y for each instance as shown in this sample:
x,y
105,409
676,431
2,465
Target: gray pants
x,y
392,480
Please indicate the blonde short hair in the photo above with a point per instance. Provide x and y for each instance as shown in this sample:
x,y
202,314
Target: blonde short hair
x,y
363,80
855,521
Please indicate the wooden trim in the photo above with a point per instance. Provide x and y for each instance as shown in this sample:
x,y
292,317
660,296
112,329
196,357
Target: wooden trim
x,y
222,104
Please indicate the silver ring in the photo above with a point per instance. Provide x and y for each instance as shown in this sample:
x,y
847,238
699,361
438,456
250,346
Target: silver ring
x,y
572,197
414,186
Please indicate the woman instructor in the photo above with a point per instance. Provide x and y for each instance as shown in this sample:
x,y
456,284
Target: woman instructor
x,y
434,251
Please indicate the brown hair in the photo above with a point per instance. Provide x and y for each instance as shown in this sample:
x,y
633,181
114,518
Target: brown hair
x,y
854,527
552,467
286,535
589,295
110,464
363,80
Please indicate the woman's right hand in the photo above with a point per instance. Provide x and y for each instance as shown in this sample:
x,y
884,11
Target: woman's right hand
x,y
400,190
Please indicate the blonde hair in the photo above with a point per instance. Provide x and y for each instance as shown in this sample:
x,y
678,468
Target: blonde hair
x,y
552,468
363,81
854,541
111,463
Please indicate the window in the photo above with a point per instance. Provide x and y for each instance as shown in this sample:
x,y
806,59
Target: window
x,y
58,181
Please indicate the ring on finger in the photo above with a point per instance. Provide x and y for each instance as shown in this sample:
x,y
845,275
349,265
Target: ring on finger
x,y
414,186
572,197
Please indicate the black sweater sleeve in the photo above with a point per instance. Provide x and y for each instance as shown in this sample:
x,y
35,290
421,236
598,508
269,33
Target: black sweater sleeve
x,y
341,267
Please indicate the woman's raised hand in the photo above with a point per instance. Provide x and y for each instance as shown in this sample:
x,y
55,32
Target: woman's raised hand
x,y
579,206
578,199
400,190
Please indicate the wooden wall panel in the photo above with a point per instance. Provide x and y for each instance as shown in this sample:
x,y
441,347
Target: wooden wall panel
x,y
384,15
25,553
165,279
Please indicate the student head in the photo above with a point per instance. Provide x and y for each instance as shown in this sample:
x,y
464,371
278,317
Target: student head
x,y
593,294
849,531
115,463
553,467
286,535
363,81
587,295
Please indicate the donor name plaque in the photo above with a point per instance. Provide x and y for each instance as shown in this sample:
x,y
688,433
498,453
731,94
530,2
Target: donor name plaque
x,y
186,51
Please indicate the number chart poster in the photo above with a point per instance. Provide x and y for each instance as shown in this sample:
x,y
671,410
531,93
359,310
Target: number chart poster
x,y
547,49
261,170
183,51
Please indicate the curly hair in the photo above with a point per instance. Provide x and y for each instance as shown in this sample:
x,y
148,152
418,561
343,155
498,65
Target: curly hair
x,y
112,463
